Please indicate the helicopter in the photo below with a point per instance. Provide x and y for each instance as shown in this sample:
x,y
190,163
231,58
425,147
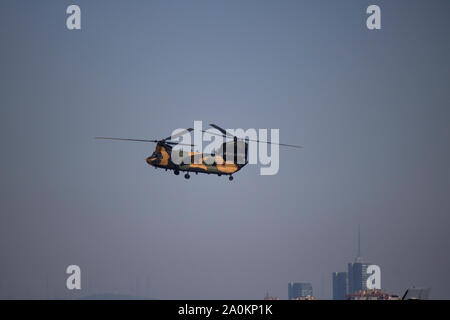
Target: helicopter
x,y
217,162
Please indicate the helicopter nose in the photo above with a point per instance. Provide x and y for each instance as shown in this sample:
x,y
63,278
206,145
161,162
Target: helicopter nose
x,y
150,160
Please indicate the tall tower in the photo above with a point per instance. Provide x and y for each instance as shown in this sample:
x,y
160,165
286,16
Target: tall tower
x,y
358,254
357,271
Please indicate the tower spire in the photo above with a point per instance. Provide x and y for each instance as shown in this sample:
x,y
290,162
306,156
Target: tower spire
x,y
358,255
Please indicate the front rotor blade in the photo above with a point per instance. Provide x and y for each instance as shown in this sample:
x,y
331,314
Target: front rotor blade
x,y
179,134
178,143
125,139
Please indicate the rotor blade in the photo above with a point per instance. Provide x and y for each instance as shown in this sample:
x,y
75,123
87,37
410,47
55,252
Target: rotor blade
x,y
125,139
179,134
259,141
216,134
221,130
178,143
280,144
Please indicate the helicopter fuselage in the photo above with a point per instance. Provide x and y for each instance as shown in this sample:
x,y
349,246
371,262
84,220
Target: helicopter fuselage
x,y
192,162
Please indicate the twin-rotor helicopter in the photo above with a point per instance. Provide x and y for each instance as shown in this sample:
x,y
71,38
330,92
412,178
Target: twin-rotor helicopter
x,y
217,162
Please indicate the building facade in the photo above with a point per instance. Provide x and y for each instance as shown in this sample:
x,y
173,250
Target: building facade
x,y
340,285
357,276
299,290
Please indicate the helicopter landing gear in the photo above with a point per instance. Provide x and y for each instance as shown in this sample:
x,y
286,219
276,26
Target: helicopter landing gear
x,y
187,176
176,172
230,178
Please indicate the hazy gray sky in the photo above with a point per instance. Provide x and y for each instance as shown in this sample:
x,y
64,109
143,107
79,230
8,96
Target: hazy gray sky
x,y
371,109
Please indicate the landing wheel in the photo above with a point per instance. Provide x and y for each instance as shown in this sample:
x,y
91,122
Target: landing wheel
x,y
187,176
176,172
230,178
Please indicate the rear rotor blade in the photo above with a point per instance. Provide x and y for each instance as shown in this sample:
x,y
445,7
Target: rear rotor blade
x,y
216,134
280,144
221,130
259,141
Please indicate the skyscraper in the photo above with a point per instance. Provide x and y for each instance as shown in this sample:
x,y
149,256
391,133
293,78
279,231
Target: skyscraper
x,y
357,271
340,285
299,290
357,276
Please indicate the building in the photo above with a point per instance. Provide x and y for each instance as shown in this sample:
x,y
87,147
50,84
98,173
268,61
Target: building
x,y
268,297
305,298
357,271
340,285
372,295
299,290
357,276
355,279
271,298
